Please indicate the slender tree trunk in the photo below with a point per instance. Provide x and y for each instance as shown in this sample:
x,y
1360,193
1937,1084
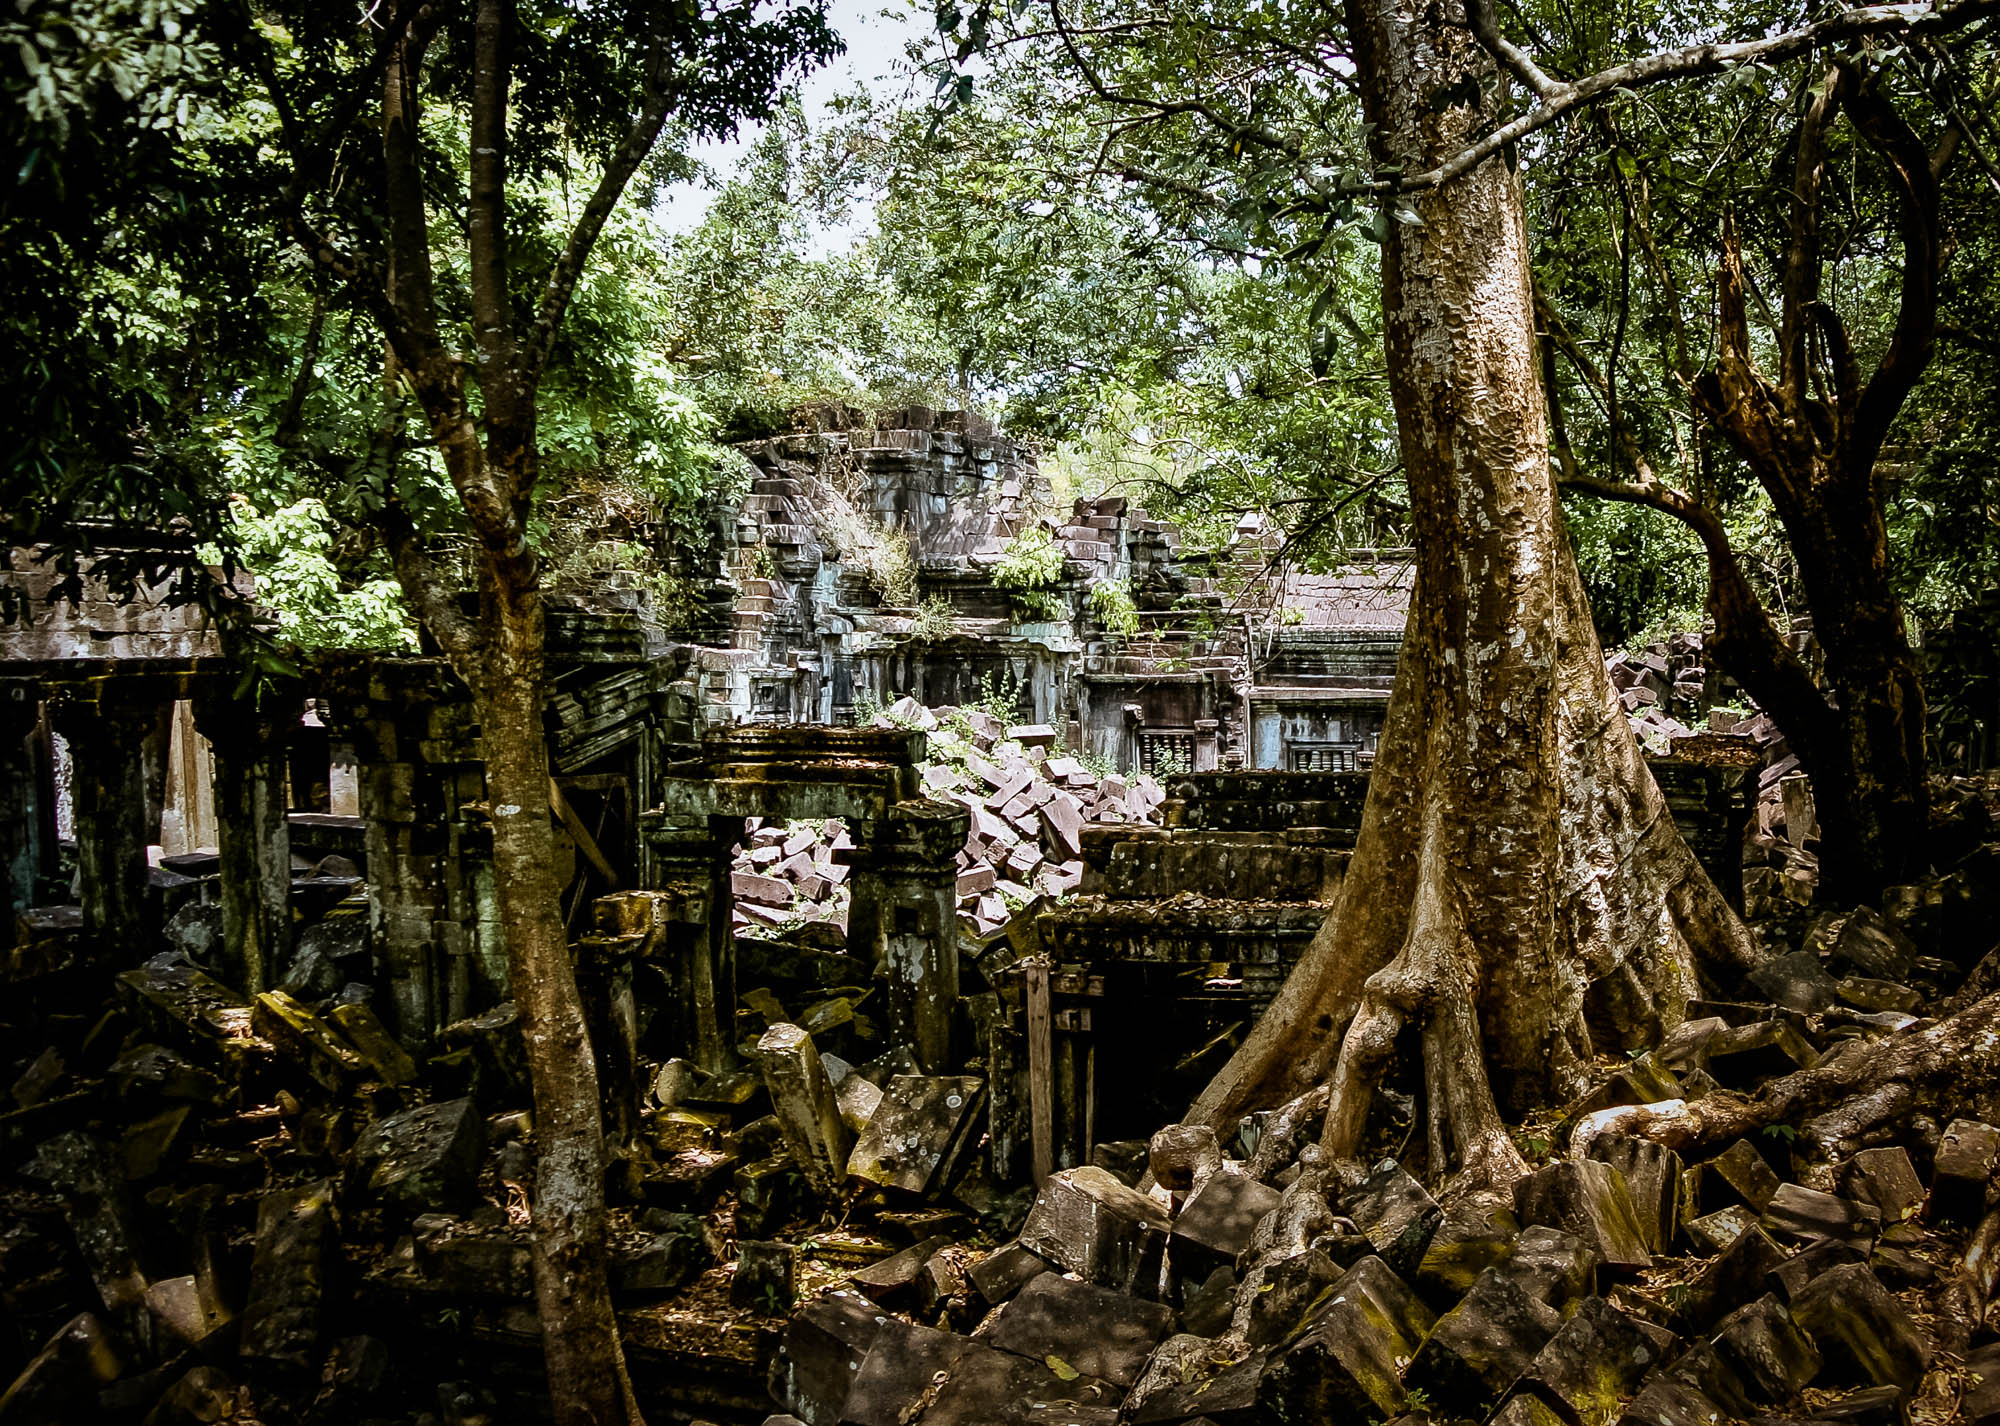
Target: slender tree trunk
x,y
1518,899
586,1365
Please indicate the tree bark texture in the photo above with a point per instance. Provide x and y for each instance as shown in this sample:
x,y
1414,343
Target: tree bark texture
x,y
1519,898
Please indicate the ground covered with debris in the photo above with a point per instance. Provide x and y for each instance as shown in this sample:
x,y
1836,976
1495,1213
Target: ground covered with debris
x,y
215,1208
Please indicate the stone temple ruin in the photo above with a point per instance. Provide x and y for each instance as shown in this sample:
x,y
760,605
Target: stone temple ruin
x,y
905,912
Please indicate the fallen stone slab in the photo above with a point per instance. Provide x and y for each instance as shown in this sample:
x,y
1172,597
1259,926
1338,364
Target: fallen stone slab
x,y
825,1341
306,1040
917,1131
1346,1366
900,1373
1796,981
1744,1057
893,1278
1870,945
1276,1297
194,1012
1767,1350
1093,1330
1395,1213
765,1277
84,1170
1712,1233
769,1194
61,1381
1967,1155
1886,1180
1656,1179
1216,1223
385,1058
288,1277
1739,1174
1862,1332
1552,1266
1479,1349
1005,1271
802,1098
1475,1232
1789,1278
1594,1362
1805,1215
1738,1276
1086,1222
424,1159
994,1388
1589,1199
1672,1403
1217,1382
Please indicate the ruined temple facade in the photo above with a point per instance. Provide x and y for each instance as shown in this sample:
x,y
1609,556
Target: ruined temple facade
x,y
862,566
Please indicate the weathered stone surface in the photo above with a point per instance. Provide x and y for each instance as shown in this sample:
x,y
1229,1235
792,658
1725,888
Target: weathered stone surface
x,y
1713,1232
1091,1329
1217,1381
1869,945
825,1342
1345,1367
424,1159
1552,1266
1766,1349
61,1381
1745,1056
1181,1154
370,1038
1672,1403
1589,1199
1479,1349
1394,1213
1887,1181
1654,1176
1861,1331
993,1388
1088,1223
1475,1232
896,1375
1736,1277
1805,1215
803,1099
305,1039
1524,1410
462,1259
896,1276
1739,1174
1215,1225
660,1263
192,1011
764,1277
1594,1362
1796,981
83,1169
1966,1158
288,1277
1005,1271
769,1194
917,1131
1277,1296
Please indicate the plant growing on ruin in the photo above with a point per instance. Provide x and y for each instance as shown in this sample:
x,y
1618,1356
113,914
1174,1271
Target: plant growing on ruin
x,y
935,619
1111,601
1030,570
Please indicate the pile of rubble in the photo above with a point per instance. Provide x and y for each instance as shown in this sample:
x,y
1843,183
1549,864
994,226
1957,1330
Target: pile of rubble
x,y
1028,802
1168,1282
1658,681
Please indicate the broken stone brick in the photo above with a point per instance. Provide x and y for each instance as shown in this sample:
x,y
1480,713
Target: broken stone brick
x,y
1589,1199
1525,1410
896,1275
1277,1296
753,889
1215,1225
1126,1160
1672,1403
60,1383
426,1158
917,1131
1878,995
1686,1047
1476,1232
1644,1080
1790,1276
1344,1367
803,1100
1594,1362
899,1374
1704,1369
1981,1402
463,1260
1797,982
176,1307
288,1277
1861,1331
201,1395
1207,1308
1738,1276
1766,1349
371,1039
1713,1232
192,1011
1087,1222
1180,1154
825,1342
1807,1215
1655,1178
1479,1349
1966,1157
1886,1180
992,1388
1745,1056
1738,1174
1394,1213
1095,1331
305,1039
764,1277
1551,1266
1222,1384
1005,1271
769,1194
82,1168
1871,946
659,1263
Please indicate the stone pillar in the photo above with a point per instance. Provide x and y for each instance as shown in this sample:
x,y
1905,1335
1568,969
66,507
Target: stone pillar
x,y
248,739
105,727
1207,743
22,850
912,858
697,944
627,925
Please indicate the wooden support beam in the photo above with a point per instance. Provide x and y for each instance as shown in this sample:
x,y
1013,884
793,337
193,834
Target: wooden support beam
x,y
585,843
1041,1069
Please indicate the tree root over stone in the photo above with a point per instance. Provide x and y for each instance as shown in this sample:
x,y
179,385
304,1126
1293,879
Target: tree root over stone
x,y
1861,1094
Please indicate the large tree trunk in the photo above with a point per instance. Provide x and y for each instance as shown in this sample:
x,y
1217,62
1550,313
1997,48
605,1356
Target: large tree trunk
x,y
586,1365
1519,900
